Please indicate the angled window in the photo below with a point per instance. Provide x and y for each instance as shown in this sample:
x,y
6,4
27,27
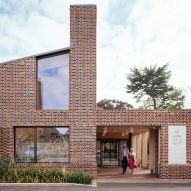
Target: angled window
x,y
53,81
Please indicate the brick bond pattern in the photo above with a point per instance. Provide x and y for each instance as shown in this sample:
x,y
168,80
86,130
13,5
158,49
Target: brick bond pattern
x,y
18,104
83,87
18,96
161,119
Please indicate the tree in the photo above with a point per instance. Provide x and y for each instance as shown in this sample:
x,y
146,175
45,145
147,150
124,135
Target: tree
x,y
175,100
151,84
113,104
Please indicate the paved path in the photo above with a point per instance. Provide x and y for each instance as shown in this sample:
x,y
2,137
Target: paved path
x,y
103,187
114,175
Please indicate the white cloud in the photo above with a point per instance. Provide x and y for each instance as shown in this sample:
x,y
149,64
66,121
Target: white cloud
x,y
156,33
30,32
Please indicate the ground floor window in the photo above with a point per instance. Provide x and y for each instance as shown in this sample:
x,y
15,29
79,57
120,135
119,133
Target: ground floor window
x,y
39,144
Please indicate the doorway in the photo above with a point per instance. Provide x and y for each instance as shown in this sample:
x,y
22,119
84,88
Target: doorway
x,y
108,153
144,140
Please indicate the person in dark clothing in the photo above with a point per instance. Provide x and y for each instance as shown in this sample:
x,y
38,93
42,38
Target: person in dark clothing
x,y
124,156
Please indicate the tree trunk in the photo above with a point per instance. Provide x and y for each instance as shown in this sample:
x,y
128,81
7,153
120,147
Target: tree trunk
x,y
154,103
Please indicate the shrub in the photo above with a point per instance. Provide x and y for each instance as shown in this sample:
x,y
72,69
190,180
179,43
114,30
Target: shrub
x,y
3,167
79,177
41,175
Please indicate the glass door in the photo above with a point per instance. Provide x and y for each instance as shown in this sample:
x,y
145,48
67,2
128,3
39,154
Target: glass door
x,y
109,152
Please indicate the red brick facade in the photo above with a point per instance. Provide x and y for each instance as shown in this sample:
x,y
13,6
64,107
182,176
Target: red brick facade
x,y
18,92
83,87
161,119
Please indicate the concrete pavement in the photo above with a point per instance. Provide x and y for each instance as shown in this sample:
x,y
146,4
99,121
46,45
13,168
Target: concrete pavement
x,y
101,187
140,176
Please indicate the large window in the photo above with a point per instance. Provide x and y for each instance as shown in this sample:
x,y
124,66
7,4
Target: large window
x,y
42,144
25,144
53,82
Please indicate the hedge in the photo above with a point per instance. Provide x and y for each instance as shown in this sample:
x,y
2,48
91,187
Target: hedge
x,y
41,175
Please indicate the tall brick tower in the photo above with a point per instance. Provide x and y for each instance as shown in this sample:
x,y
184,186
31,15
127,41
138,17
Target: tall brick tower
x,y
83,87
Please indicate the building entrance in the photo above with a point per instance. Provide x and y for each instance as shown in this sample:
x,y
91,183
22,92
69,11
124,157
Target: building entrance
x,y
144,140
109,152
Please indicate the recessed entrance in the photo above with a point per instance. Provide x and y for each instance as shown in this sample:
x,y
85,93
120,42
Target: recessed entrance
x,y
144,140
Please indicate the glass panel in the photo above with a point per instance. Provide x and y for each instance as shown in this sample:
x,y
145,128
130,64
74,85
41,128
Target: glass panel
x,y
114,151
53,82
53,144
109,153
24,144
98,154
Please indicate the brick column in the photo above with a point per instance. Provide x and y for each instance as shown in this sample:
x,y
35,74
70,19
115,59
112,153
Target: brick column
x,y
83,88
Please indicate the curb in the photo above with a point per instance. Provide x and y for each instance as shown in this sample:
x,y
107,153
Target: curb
x,y
47,184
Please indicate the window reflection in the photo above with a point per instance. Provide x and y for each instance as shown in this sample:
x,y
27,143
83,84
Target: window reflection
x,y
42,144
53,82
25,144
52,145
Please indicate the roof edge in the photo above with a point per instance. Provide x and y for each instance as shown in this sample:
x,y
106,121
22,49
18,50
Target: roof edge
x,y
83,5
38,55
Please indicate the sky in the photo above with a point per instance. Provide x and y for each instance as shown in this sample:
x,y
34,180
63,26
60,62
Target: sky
x,y
52,72
129,33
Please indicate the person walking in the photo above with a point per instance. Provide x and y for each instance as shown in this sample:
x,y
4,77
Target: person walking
x,y
132,160
124,155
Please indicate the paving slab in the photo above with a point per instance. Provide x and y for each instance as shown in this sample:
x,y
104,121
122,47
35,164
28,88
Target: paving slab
x,y
140,176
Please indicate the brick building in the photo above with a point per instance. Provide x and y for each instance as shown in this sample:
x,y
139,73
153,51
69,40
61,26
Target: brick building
x,y
48,113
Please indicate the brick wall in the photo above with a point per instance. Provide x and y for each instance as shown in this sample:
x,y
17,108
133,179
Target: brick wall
x,y
119,117
18,95
161,119
174,171
18,98
18,104
83,87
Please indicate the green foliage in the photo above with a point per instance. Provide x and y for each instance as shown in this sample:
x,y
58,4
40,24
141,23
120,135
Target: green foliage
x,y
113,104
151,84
33,175
173,100
3,167
79,177
41,175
